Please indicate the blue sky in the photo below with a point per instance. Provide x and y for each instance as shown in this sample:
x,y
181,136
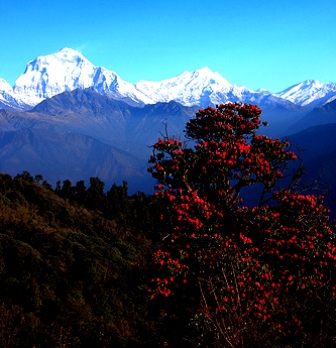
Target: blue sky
x,y
264,43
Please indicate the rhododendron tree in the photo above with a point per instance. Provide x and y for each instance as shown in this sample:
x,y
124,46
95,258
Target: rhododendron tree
x,y
247,275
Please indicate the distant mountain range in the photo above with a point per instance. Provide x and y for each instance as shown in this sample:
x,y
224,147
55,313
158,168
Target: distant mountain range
x,y
67,119
67,70
79,134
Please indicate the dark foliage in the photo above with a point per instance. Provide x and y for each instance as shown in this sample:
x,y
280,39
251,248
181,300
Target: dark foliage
x,y
72,264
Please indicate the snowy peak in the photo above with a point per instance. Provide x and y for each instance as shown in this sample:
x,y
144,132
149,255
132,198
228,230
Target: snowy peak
x,y
195,87
206,76
65,56
68,55
55,73
67,70
309,92
8,99
303,86
4,86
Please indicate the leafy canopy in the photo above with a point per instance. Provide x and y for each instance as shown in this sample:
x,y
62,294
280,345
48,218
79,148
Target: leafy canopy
x,y
219,256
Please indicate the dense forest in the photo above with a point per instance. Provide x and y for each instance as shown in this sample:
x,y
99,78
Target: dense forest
x,y
72,264
188,266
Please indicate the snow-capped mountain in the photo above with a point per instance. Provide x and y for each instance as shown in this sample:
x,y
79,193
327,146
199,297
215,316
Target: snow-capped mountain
x,y
309,92
67,70
5,86
8,99
5,90
199,87
188,88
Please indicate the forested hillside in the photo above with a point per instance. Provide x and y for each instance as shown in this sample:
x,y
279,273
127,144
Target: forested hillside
x,y
72,264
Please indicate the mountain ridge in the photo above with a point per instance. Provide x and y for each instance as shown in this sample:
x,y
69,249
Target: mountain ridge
x,y
79,134
67,70
66,126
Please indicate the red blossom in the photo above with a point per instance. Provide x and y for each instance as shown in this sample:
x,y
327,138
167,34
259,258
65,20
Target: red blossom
x,y
261,258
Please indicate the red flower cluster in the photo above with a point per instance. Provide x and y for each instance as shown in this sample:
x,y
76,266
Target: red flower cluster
x,y
253,261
